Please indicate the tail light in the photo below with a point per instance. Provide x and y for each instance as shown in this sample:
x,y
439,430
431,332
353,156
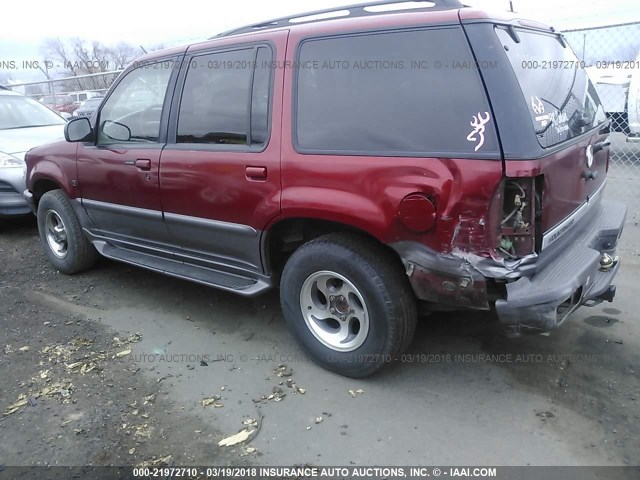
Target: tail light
x,y
520,229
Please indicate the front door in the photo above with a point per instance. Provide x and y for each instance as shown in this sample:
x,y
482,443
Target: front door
x,y
118,174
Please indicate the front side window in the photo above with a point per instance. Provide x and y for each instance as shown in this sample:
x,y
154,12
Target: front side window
x,y
392,93
560,97
132,113
225,100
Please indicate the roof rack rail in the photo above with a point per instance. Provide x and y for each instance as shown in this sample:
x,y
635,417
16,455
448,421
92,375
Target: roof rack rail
x,y
357,10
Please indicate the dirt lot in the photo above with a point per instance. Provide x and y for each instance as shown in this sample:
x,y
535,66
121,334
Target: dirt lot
x,y
73,394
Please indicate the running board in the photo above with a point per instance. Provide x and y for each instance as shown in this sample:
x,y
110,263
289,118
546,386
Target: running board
x,y
214,278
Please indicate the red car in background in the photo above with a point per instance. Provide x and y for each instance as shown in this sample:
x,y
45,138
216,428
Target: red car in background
x,y
60,103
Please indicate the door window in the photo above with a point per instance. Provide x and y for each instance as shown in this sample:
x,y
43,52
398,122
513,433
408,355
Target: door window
x,y
225,100
132,113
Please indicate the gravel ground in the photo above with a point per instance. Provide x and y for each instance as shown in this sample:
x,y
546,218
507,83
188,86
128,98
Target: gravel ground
x,y
120,366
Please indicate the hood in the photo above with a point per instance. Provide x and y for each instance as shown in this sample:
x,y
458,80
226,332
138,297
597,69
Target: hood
x,y
18,141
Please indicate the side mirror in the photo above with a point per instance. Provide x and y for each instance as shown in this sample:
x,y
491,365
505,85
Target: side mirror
x,y
116,131
78,130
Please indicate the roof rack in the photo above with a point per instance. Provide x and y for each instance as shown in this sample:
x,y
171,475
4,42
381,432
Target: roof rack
x,y
351,11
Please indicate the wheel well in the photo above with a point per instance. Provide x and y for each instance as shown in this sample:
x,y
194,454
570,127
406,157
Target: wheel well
x,y
43,186
285,237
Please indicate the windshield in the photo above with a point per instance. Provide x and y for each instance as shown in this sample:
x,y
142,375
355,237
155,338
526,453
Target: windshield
x,y
560,97
21,112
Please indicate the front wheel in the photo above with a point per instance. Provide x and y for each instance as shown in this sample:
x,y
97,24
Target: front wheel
x,y
349,303
62,236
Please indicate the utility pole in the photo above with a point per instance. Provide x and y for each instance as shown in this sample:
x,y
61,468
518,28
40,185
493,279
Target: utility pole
x,y
511,5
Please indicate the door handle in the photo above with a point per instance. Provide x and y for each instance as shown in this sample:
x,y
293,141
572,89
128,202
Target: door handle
x,y
256,173
143,164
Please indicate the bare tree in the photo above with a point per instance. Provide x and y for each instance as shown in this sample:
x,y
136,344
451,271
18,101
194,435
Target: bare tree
x,y
56,51
122,55
77,57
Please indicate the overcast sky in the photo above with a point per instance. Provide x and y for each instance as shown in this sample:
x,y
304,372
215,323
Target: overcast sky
x,y
148,23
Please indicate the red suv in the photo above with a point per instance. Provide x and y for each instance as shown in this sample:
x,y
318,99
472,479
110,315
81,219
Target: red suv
x,y
366,164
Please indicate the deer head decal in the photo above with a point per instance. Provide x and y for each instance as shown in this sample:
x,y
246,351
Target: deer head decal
x,y
478,123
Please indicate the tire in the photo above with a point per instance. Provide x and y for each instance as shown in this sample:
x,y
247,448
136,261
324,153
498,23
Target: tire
x,y
61,234
380,307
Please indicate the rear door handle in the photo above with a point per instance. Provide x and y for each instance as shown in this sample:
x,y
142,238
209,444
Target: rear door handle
x,y
256,173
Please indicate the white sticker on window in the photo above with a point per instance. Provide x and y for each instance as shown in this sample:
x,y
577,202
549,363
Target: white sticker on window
x,y
477,134
537,105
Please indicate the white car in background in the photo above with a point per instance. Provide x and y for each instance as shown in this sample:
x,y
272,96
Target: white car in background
x,y
612,86
619,92
24,124
81,97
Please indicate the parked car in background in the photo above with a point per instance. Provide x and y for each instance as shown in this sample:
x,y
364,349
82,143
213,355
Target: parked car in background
x,y
87,108
431,165
60,103
612,86
80,97
24,123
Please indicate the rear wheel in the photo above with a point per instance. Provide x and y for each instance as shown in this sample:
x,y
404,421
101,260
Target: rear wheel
x,y
348,302
62,236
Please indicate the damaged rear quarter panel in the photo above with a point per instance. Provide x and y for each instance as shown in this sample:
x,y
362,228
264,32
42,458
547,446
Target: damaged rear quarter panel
x,y
469,219
366,192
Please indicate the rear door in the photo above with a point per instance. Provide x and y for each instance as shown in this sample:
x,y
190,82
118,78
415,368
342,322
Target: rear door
x,y
220,172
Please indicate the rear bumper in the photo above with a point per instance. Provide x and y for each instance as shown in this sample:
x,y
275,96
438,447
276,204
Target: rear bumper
x,y
573,278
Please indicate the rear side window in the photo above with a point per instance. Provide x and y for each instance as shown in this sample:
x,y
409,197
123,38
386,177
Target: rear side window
x,y
225,99
560,97
412,92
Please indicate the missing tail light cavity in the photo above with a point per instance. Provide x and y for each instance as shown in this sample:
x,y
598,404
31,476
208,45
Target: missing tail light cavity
x,y
521,216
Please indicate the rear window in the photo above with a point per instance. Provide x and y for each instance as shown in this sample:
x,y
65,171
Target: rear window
x,y
560,97
410,92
